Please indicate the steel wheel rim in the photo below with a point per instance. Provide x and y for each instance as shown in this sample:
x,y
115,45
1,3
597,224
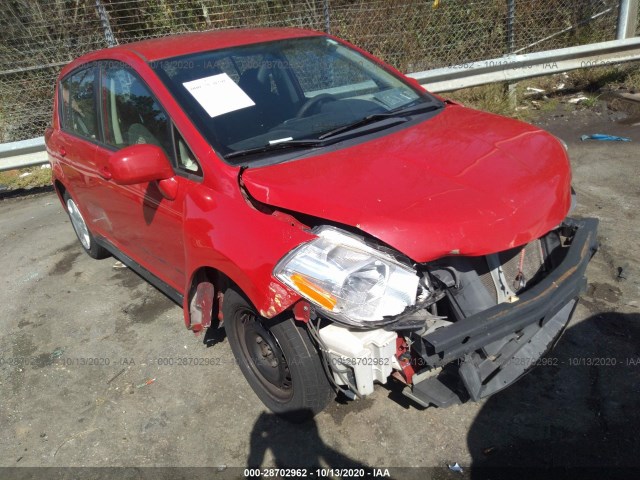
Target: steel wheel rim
x,y
79,224
264,356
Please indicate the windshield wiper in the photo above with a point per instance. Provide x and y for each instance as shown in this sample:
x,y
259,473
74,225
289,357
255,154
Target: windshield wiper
x,y
269,147
399,112
320,141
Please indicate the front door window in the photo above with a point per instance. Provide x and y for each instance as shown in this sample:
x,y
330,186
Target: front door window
x,y
132,113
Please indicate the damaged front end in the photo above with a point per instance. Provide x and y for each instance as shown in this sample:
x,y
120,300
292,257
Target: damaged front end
x,y
476,325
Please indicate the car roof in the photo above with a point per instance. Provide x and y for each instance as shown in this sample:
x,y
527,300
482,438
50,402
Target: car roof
x,y
177,45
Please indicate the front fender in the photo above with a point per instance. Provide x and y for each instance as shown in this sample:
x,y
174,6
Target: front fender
x,y
224,232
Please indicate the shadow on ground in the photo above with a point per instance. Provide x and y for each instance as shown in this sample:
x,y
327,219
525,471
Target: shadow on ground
x,y
293,445
24,192
580,409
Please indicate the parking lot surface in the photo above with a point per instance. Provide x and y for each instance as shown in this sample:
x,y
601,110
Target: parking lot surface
x,y
97,368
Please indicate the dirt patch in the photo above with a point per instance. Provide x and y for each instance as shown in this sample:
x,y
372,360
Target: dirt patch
x,y
127,278
70,254
148,309
340,409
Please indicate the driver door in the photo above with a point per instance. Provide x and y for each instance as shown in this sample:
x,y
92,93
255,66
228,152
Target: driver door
x,y
143,224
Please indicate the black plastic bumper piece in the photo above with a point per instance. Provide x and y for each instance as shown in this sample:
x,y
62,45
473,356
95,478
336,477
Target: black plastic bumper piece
x,y
485,376
497,346
432,391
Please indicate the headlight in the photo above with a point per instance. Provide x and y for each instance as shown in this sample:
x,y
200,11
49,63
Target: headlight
x,y
352,282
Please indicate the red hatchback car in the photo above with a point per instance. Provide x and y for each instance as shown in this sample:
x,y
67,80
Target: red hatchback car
x,y
342,224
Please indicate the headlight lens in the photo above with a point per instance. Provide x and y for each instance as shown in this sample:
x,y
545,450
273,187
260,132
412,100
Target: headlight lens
x,y
352,282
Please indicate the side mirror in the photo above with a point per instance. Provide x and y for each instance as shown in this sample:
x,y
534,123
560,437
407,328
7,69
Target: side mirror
x,y
139,163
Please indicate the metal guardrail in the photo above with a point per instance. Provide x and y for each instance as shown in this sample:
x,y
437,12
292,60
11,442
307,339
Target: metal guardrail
x,y
503,69
25,153
518,67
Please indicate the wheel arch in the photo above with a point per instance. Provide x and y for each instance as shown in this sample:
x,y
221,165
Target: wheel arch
x,y
204,294
60,191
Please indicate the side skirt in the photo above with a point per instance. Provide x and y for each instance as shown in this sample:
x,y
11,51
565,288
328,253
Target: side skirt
x,y
165,288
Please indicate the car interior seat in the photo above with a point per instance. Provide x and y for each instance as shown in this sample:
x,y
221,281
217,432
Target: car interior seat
x,y
138,133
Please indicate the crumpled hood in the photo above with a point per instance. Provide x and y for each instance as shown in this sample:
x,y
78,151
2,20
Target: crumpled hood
x,y
463,182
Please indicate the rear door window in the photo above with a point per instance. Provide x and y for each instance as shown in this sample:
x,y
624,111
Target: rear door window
x,y
78,112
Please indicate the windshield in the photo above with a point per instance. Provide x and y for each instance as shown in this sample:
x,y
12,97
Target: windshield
x,y
278,93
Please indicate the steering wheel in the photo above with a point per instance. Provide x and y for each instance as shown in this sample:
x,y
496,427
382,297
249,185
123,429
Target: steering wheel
x,y
313,101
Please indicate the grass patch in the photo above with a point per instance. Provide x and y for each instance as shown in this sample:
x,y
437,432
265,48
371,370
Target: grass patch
x,y
492,98
591,101
624,76
633,79
16,179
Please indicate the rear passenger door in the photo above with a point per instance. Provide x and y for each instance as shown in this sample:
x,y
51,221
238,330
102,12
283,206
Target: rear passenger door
x,y
143,224
74,144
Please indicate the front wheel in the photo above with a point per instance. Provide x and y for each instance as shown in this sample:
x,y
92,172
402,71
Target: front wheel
x,y
278,360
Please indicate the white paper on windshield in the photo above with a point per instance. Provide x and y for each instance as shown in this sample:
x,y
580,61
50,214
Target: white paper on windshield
x,y
218,94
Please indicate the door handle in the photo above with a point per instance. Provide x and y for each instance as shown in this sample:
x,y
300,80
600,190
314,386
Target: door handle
x,y
104,172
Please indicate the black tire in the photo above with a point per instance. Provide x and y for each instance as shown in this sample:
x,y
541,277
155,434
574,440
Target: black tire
x,y
278,360
85,237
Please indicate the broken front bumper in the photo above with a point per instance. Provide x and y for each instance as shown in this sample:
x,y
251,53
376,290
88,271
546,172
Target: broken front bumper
x,y
493,348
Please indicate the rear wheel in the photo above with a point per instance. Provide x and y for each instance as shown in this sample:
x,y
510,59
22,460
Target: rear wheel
x,y
82,230
278,360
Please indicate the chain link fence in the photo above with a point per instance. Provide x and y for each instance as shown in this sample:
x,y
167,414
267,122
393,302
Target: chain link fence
x,y
37,37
